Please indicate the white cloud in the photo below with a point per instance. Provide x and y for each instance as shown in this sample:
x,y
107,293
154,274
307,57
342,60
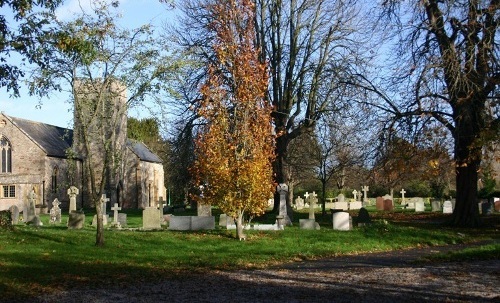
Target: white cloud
x,y
75,7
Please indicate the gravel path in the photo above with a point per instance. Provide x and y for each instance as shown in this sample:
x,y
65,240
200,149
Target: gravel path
x,y
378,277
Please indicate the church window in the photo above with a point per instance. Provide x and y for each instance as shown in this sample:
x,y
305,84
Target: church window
x,y
9,191
6,154
54,179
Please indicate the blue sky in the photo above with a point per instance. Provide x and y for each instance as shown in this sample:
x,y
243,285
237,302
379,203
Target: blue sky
x,y
55,110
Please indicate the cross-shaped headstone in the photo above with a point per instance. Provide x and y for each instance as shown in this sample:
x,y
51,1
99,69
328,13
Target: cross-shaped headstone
x,y
161,205
306,195
115,210
104,200
403,192
314,194
355,193
365,189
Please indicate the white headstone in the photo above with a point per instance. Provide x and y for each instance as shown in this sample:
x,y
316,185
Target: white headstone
x,y
55,212
72,193
403,192
340,198
115,210
447,207
312,204
355,194
355,205
419,206
341,221
299,203
365,189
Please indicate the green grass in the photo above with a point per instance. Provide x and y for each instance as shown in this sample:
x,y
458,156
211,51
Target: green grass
x,y
35,260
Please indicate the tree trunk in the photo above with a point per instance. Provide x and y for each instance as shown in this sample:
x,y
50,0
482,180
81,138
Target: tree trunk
x,y
279,166
466,212
323,197
99,239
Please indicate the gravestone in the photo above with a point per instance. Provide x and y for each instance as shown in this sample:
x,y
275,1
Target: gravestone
x,y
329,204
308,224
225,220
76,220
204,210
485,207
151,218
363,217
496,202
312,204
380,203
419,206
55,212
341,205
29,210
72,193
105,220
202,222
365,189
341,221
180,223
122,219
340,198
388,205
104,201
115,210
355,195
299,203
447,207
403,202
14,214
282,189
435,205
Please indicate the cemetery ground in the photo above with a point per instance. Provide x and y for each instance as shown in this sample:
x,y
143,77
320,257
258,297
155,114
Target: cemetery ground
x,y
401,256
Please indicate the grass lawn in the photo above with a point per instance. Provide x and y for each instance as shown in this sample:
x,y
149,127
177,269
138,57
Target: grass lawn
x,y
36,260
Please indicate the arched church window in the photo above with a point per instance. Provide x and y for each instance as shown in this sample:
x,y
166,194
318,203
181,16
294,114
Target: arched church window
x,y
55,172
6,154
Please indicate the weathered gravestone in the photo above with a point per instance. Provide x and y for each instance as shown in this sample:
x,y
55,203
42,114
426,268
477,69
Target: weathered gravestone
x,y
341,221
355,205
403,202
419,205
447,207
76,220
313,199
329,204
355,195
225,220
191,223
282,189
299,203
380,203
14,214
122,219
151,218
115,210
365,189
340,198
55,212
29,207
363,217
204,210
496,202
72,193
435,205
308,224
388,205
341,205
485,207
105,217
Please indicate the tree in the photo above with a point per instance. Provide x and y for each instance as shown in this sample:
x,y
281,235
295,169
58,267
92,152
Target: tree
x,y
106,70
235,148
24,35
450,57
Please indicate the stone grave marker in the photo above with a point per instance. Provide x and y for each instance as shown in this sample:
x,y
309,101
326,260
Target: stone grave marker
x,y
225,220
115,210
403,202
29,210
76,220
122,219
447,207
355,205
435,205
72,193
151,218
419,205
204,210
299,203
380,203
282,189
365,189
388,205
355,195
202,222
329,204
340,198
14,214
105,217
309,224
55,212
341,205
313,199
496,202
363,217
341,221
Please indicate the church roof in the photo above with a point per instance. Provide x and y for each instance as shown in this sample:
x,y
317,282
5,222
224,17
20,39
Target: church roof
x,y
142,151
52,139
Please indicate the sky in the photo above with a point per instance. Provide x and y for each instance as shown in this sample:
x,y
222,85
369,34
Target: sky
x,y
55,110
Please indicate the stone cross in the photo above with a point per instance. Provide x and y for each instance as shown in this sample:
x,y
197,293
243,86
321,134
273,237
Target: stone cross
x,y
306,195
72,193
115,210
403,192
282,189
55,212
104,200
30,212
355,194
312,205
365,189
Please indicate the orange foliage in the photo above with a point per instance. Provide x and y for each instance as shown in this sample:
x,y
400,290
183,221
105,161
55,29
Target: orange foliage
x,y
235,149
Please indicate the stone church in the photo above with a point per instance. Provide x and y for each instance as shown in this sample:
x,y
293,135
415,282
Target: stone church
x,y
35,157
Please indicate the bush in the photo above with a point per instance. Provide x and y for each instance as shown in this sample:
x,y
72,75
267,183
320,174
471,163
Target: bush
x,y
5,220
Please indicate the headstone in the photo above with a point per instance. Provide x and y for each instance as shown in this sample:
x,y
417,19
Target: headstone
x,y
202,222
76,220
225,220
341,205
299,203
180,223
341,221
308,224
282,189
419,206
204,210
365,189
387,197
72,193
447,207
380,203
496,202
355,205
55,212
151,218
104,200
14,214
435,205
486,207
329,204
312,205
29,211
403,192
363,217
340,198
388,206
355,194
115,210
122,219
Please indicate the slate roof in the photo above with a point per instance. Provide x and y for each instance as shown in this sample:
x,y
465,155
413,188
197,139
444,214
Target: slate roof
x,y
142,151
52,139
55,140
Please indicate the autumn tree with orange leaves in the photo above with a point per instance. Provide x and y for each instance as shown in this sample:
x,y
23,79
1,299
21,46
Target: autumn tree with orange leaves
x,y
235,147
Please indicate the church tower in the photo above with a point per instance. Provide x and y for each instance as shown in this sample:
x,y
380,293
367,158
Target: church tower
x,y
99,135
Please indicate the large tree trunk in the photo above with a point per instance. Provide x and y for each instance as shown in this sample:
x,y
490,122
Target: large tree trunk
x,y
466,212
279,166
99,239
